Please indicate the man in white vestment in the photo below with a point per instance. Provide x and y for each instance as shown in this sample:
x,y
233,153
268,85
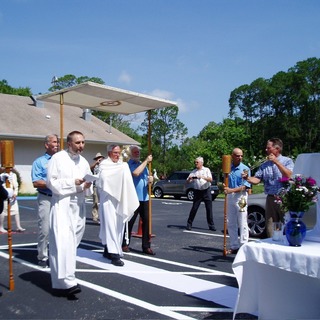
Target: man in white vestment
x,y
118,201
65,178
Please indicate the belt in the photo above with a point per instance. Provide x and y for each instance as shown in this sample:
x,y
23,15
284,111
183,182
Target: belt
x,y
46,194
271,195
202,189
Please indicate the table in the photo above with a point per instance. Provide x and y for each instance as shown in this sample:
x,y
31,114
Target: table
x,y
307,164
277,281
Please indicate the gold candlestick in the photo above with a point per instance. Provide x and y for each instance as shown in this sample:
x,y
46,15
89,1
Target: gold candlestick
x,y
7,161
7,154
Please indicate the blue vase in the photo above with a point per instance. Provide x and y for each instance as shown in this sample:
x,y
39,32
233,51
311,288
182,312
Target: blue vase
x,y
295,229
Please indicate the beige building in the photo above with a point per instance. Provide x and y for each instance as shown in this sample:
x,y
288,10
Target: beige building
x,y
26,122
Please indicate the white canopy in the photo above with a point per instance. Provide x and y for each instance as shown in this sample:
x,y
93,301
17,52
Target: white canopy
x,y
90,95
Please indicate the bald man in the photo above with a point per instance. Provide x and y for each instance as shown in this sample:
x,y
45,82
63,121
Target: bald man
x,y
237,189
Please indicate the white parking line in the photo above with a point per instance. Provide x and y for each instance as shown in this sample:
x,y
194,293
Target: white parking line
x,y
206,233
137,302
178,281
207,290
111,293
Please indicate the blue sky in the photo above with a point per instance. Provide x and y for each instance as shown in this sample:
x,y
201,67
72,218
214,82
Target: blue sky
x,y
194,52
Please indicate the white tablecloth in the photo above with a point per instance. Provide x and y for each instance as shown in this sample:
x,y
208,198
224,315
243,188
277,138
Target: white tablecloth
x,y
278,281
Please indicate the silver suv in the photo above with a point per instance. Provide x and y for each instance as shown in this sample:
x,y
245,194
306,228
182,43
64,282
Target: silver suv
x,y
176,185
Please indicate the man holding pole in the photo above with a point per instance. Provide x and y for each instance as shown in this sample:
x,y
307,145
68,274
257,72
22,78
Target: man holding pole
x,y
141,180
236,193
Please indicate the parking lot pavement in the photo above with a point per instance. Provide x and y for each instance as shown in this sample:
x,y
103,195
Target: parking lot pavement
x,y
187,279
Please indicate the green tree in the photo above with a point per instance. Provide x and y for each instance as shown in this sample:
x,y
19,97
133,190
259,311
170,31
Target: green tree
x,y
7,89
70,80
307,80
166,131
286,106
214,141
221,139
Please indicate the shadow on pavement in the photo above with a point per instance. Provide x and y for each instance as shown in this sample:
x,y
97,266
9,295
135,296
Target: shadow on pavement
x,y
38,278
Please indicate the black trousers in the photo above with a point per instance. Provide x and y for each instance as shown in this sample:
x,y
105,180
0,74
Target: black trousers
x,y
143,211
206,197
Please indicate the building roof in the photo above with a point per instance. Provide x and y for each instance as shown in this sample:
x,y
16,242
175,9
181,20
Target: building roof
x,y
22,117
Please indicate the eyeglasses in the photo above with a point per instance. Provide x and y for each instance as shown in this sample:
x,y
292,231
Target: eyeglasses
x,y
196,162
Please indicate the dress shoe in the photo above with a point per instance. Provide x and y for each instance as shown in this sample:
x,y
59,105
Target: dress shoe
x,y
125,249
148,251
43,263
189,226
67,292
117,262
73,290
20,230
212,228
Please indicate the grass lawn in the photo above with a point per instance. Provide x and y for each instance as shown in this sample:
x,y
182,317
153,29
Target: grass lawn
x,y
255,189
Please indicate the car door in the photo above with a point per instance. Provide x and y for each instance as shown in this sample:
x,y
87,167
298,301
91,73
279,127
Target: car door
x,y
181,182
170,185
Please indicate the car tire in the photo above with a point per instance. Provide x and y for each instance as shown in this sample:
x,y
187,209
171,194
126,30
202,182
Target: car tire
x,y
157,192
256,222
190,194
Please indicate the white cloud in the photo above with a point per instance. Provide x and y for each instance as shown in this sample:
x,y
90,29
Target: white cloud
x,y
125,77
163,94
182,106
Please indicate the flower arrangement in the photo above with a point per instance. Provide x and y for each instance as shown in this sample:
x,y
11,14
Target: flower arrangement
x,y
297,194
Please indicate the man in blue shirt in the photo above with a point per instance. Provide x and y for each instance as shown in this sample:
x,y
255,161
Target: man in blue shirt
x,y
270,172
141,180
236,191
39,179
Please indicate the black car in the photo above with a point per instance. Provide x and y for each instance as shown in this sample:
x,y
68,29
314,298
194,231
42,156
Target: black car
x,y
177,186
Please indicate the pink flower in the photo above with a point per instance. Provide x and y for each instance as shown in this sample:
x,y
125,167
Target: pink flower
x,y
298,193
311,182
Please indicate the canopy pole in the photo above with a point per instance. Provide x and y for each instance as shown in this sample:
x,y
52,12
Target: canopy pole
x,y
226,169
61,120
150,172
